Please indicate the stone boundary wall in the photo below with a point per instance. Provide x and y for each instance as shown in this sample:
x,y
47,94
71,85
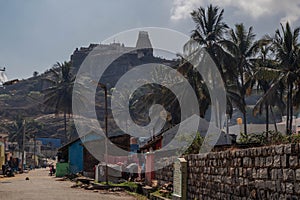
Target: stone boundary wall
x,y
271,172
164,175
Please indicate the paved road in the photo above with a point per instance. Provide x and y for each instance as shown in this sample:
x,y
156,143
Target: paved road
x,y
40,186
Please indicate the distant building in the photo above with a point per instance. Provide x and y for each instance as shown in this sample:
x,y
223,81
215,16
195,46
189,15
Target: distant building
x,y
3,148
130,57
33,146
11,82
49,146
167,136
260,128
3,77
52,142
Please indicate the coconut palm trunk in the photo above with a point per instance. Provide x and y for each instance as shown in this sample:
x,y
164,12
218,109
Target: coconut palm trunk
x,y
243,96
274,119
267,118
287,111
65,126
291,107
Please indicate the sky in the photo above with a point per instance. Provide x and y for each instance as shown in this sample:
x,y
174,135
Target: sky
x,y
35,34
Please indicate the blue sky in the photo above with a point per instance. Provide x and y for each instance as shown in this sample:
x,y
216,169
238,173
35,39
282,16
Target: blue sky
x,y
35,34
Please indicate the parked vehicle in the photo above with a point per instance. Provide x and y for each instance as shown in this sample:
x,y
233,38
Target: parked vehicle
x,y
7,170
52,170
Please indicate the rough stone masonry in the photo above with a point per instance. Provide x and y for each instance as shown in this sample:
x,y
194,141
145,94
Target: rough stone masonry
x,y
270,172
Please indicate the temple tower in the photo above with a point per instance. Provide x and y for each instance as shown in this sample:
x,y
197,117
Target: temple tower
x,y
143,45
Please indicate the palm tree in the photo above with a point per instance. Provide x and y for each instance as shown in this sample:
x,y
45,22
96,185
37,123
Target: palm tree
x,y
197,83
59,95
241,47
286,72
16,129
265,73
287,49
208,33
210,27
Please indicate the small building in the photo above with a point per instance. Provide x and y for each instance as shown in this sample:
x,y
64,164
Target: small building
x,y
49,146
78,157
33,146
72,153
33,153
3,139
51,142
163,138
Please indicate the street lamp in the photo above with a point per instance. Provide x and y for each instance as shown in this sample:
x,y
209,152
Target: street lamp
x,y
104,87
34,151
23,145
227,128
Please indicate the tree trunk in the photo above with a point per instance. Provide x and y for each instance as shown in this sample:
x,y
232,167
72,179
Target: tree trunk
x,y
34,151
267,118
23,146
243,97
291,108
288,110
274,119
65,126
245,122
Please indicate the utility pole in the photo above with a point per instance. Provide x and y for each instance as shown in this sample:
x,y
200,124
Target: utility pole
x,y
34,151
227,128
103,86
23,145
106,170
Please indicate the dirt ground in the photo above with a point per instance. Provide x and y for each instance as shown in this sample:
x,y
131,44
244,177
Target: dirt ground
x,y
42,186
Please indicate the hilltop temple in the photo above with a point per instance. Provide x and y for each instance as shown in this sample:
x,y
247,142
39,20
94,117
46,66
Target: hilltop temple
x,y
130,57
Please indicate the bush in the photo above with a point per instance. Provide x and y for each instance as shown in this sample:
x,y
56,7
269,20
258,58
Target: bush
x,y
195,147
269,138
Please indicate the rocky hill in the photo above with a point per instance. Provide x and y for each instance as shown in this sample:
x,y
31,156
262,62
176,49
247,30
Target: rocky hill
x,y
24,98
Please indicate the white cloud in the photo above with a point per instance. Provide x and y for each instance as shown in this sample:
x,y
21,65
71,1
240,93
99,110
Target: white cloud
x,y
288,10
181,9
